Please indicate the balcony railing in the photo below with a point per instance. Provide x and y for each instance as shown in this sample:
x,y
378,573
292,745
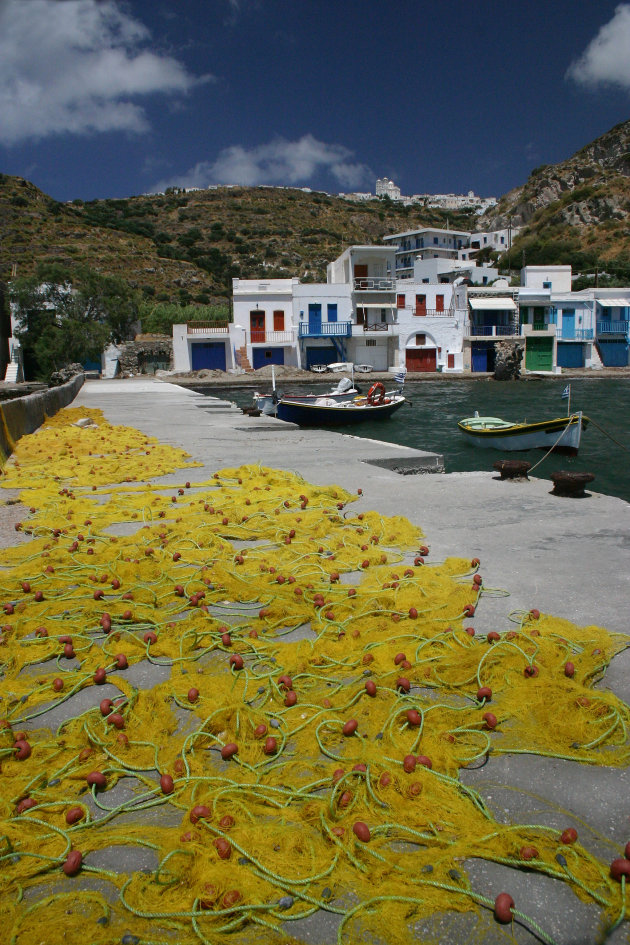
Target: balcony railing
x,y
374,284
259,336
575,334
325,330
389,327
614,327
494,331
432,312
207,328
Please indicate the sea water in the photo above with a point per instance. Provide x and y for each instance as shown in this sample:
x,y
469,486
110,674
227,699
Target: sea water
x,y
429,421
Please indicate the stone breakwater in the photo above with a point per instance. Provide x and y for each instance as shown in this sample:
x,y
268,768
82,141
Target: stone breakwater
x,y
26,414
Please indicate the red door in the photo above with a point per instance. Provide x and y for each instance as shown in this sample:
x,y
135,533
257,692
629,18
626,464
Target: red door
x,y
278,321
360,275
257,326
421,305
421,359
439,303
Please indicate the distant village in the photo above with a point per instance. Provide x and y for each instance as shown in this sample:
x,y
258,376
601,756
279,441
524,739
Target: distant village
x,y
387,188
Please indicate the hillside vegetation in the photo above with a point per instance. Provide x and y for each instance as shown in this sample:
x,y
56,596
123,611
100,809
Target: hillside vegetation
x,y
186,247
183,247
575,212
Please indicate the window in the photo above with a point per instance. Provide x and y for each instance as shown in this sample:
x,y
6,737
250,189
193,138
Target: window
x,y
332,311
435,240
400,301
421,339
546,285
370,343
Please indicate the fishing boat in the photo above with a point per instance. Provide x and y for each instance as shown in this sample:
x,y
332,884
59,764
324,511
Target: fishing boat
x,y
562,434
268,403
326,411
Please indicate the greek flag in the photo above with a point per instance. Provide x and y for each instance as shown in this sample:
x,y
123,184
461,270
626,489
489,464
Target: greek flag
x,y
566,392
400,377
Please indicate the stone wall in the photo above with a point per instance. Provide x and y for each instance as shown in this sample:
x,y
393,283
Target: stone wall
x,y
141,356
25,414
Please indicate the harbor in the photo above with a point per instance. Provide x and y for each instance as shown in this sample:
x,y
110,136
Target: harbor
x,y
566,557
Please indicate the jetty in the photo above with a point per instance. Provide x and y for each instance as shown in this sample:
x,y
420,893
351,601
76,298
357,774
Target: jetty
x,y
538,551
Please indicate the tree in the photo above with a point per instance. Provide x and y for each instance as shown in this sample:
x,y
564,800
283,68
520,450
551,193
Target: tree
x,y
65,317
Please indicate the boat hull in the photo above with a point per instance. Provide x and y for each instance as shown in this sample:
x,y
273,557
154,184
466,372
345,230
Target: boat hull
x,y
341,414
561,435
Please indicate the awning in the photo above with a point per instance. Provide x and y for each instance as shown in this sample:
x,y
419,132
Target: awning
x,y
493,304
613,303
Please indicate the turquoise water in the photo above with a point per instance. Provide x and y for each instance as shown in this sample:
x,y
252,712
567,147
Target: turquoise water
x,y
430,423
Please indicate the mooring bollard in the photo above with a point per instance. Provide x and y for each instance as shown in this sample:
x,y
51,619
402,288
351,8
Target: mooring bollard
x,y
570,484
512,468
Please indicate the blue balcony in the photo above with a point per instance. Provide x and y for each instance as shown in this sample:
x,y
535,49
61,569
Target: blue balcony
x,y
325,330
614,327
575,334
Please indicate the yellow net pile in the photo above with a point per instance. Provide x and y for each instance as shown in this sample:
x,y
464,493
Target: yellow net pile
x,y
262,701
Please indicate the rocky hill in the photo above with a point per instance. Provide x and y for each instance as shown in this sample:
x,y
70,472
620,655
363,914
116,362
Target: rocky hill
x,y
577,211
188,246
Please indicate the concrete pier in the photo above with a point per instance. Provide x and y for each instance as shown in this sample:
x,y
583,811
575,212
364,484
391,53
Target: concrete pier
x,y
569,557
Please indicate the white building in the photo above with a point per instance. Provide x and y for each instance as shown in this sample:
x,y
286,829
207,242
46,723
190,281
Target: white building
x,y
365,315
432,254
387,188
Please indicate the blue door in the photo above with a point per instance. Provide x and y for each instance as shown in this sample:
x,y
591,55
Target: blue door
x,y
568,324
613,353
479,359
263,356
314,319
332,311
570,355
208,354
320,356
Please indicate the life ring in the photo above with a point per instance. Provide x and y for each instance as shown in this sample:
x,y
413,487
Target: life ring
x,y
376,394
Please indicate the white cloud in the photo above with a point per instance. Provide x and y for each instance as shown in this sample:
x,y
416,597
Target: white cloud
x,y
78,66
278,162
606,59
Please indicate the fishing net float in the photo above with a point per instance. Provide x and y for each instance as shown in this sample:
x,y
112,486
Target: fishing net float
x,y
266,700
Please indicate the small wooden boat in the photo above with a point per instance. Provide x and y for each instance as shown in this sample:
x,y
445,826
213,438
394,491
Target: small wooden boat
x,y
325,411
268,403
562,434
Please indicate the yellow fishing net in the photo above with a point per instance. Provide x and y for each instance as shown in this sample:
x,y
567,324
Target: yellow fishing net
x,y
230,704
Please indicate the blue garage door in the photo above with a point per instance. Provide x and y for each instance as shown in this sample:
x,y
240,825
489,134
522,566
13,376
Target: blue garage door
x,y
570,355
208,354
264,356
613,353
482,358
320,356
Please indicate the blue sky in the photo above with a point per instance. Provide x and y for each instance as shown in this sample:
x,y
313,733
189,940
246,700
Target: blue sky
x,y
105,98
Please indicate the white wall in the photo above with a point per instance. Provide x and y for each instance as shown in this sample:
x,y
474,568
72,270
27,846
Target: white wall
x,y
533,277
181,352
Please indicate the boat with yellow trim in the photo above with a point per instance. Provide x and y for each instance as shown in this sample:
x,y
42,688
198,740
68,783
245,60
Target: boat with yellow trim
x,y
561,434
